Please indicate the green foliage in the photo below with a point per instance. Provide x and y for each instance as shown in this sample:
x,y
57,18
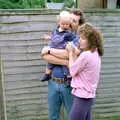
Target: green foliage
x,y
33,3
14,1
27,4
8,4
69,3
115,118
21,4
57,1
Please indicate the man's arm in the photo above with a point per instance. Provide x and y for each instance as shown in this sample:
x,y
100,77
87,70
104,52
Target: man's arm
x,y
54,60
59,53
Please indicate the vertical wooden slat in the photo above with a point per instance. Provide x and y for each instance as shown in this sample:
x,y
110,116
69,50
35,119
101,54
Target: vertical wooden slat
x,y
2,96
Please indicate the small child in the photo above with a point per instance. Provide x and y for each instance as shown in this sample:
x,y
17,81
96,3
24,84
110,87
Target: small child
x,y
59,38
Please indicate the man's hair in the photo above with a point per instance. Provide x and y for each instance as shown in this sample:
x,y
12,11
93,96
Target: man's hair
x,y
77,12
94,37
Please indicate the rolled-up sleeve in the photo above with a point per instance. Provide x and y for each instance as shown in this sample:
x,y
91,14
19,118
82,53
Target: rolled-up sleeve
x,y
78,65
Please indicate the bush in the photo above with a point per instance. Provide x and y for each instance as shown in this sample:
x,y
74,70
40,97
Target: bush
x,y
8,4
57,1
21,4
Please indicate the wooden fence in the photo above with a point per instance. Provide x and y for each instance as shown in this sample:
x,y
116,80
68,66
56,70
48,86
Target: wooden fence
x,y
21,42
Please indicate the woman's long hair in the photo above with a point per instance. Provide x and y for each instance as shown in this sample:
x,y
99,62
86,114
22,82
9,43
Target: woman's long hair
x,y
94,37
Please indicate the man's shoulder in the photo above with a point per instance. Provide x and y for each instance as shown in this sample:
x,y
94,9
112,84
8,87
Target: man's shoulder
x,y
70,32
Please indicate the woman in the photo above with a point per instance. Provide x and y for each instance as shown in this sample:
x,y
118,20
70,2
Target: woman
x,y
85,71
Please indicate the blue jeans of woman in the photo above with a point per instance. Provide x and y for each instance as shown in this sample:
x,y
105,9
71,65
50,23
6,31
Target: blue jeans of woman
x,y
58,94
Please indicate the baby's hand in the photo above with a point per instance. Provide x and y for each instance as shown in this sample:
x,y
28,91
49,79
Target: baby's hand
x,y
46,37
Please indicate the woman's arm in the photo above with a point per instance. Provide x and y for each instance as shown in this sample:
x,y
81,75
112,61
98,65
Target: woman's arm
x,y
76,63
72,58
79,64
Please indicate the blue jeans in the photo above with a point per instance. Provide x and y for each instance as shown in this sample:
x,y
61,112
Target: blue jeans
x,y
58,94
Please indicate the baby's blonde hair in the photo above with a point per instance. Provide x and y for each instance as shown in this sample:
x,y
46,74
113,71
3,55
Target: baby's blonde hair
x,y
63,14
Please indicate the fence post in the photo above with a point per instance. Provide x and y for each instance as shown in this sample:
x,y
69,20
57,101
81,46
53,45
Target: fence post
x,y
2,94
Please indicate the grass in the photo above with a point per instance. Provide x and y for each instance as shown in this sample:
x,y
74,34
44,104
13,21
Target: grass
x,y
111,118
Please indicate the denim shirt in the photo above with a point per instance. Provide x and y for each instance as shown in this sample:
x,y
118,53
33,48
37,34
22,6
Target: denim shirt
x,y
59,41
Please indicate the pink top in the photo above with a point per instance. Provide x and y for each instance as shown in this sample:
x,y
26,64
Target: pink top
x,y
85,73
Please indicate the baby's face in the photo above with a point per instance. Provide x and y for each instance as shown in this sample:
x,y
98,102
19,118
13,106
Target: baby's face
x,y
64,24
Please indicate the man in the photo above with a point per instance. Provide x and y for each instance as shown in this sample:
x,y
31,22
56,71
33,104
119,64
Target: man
x,y
58,93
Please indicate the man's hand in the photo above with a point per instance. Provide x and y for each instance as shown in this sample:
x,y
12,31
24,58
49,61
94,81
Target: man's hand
x,y
45,50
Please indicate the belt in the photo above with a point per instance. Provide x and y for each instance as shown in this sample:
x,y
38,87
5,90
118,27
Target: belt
x,y
58,80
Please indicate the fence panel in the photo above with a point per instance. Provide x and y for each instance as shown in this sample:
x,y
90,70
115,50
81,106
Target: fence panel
x,y
21,42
